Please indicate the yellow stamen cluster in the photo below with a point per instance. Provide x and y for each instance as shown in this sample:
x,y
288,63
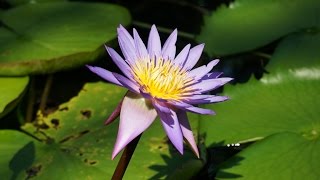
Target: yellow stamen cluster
x,y
161,78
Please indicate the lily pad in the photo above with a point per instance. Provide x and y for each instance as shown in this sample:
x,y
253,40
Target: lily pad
x,y
248,24
74,139
11,89
48,37
21,2
284,100
15,144
281,110
298,51
280,156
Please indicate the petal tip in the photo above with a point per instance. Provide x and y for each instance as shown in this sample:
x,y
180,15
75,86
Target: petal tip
x,y
105,46
153,26
216,61
179,148
114,154
175,32
91,68
120,26
228,79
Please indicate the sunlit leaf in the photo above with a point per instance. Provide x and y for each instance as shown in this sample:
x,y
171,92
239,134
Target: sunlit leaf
x,y
10,90
74,139
280,156
249,24
285,100
48,37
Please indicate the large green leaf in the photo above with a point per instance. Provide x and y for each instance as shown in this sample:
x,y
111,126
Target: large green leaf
x,y
286,100
280,156
76,144
248,24
47,37
297,52
10,90
21,2
14,147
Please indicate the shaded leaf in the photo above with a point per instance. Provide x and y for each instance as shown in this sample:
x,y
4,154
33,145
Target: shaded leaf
x,y
297,51
48,37
21,2
16,153
10,90
248,24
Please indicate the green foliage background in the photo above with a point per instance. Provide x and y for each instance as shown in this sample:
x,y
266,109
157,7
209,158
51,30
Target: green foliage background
x,y
52,109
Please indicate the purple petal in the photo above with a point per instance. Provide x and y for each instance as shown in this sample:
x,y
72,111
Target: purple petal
x,y
117,59
145,95
105,74
205,99
188,107
187,132
161,106
114,114
136,116
200,110
169,47
210,84
182,56
140,47
126,44
154,43
201,71
172,127
127,83
212,75
193,56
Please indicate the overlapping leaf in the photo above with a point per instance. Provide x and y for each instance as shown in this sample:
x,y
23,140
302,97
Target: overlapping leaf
x,y
21,2
75,140
248,24
10,90
281,156
48,37
286,100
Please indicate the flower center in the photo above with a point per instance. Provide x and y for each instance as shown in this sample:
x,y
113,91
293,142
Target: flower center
x,y
161,78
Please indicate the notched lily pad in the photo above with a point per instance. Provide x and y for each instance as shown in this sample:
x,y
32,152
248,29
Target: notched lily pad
x,y
80,114
48,37
280,110
283,100
74,140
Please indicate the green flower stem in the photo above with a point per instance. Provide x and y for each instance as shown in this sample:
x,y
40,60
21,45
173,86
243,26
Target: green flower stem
x,y
31,99
45,93
263,55
125,159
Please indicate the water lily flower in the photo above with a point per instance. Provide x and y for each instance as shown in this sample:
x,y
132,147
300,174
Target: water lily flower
x,y
160,83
